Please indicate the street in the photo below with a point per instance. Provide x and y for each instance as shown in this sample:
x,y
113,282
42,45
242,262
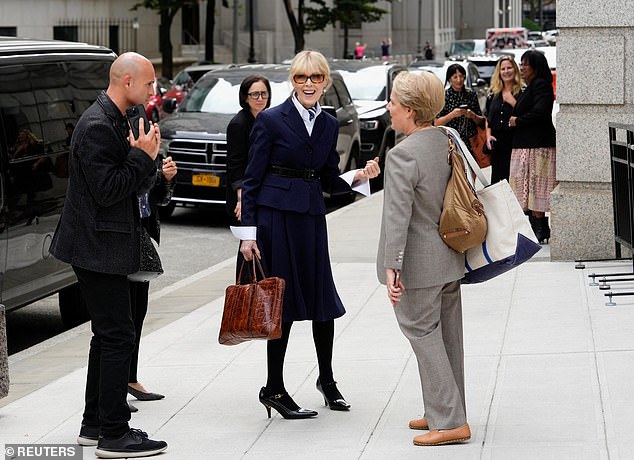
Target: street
x,y
192,240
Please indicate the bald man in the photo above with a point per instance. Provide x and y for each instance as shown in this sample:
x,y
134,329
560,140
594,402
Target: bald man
x,y
99,235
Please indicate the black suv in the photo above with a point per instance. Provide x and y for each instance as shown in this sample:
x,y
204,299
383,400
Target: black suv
x,y
370,84
44,88
195,135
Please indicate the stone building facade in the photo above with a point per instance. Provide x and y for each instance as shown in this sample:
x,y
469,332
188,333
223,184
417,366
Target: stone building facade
x,y
595,86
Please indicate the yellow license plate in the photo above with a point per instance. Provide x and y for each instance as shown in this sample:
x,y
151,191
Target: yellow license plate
x,y
206,180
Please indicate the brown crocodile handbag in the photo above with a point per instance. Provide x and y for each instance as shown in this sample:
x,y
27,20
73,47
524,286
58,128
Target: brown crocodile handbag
x,y
252,311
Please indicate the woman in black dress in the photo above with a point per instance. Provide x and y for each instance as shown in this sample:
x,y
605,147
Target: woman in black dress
x,y
462,110
506,84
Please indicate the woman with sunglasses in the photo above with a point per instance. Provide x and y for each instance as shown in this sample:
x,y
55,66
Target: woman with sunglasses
x,y
254,96
292,160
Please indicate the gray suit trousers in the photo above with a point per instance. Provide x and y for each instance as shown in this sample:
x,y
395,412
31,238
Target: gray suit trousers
x,y
431,319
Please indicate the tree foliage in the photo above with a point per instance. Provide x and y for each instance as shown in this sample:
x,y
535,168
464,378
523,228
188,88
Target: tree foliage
x,y
317,15
167,10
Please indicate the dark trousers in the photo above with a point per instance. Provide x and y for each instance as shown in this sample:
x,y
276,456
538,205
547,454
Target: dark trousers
x,y
138,306
501,156
323,336
107,299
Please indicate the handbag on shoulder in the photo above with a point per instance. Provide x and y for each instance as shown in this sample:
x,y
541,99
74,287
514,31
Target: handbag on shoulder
x,y
254,310
510,240
463,224
150,264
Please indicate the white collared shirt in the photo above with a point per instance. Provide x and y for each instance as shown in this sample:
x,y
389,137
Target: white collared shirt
x,y
303,112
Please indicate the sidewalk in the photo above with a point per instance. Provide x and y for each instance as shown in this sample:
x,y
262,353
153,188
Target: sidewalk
x,y
548,370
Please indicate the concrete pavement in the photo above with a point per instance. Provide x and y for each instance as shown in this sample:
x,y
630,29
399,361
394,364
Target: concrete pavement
x,y
548,370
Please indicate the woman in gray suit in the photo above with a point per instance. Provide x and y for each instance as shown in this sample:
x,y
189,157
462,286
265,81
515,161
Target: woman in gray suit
x,y
422,273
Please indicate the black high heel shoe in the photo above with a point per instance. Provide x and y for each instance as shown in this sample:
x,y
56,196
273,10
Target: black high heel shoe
x,y
284,404
332,397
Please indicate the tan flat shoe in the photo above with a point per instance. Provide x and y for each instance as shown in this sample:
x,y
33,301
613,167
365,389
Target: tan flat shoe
x,y
440,437
419,424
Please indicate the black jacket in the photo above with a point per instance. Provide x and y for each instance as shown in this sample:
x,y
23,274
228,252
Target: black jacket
x,y
534,124
238,144
100,224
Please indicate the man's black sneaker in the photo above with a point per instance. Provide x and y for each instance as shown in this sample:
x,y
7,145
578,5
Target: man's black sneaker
x,y
134,443
88,435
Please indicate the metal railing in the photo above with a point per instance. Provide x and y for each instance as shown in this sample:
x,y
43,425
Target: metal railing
x,y
622,174
118,34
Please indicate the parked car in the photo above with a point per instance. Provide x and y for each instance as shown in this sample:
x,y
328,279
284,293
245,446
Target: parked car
x,y
464,48
486,64
370,85
473,80
45,86
195,135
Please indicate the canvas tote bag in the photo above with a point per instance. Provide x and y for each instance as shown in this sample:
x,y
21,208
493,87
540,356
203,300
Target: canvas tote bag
x,y
510,240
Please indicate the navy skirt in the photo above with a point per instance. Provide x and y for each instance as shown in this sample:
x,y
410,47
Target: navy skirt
x,y
294,246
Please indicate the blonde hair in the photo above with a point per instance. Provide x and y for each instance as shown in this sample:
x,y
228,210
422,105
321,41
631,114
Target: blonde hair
x,y
497,85
308,62
422,92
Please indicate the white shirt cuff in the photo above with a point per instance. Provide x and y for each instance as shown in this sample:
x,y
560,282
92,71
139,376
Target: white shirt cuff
x,y
363,187
244,233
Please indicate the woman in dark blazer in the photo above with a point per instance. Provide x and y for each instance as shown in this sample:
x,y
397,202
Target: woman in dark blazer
x,y
292,160
254,96
506,84
533,159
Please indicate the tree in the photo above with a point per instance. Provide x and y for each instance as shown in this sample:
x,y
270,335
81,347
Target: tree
x,y
345,12
297,24
167,9
210,25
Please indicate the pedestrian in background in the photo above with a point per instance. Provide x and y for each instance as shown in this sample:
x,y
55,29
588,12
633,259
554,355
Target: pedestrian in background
x,y
461,110
533,158
385,49
506,84
254,96
99,236
429,51
359,49
159,194
293,159
421,272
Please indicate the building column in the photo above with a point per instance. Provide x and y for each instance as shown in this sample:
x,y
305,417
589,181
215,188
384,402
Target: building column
x,y
594,87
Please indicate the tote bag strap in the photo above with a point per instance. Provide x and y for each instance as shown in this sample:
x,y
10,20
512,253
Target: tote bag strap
x,y
466,155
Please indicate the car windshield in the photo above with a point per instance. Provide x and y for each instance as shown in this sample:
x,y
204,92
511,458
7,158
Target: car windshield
x,y
220,95
466,47
439,71
366,84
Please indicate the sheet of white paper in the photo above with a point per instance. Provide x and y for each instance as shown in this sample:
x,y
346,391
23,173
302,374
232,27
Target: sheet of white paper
x,y
363,188
243,233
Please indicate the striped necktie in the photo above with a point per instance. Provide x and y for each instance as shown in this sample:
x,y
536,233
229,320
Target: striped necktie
x,y
312,112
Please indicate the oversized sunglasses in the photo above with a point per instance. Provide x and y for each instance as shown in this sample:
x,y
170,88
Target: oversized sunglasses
x,y
300,79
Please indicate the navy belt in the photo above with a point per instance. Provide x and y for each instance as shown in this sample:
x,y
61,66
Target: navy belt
x,y
306,174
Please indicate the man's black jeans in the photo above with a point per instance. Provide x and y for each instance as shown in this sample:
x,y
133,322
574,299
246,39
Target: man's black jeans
x,y
107,299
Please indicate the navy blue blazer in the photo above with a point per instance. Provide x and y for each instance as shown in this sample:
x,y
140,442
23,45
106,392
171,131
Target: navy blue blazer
x,y
279,137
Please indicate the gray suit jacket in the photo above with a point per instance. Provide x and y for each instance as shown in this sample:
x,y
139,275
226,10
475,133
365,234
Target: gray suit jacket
x,y
416,175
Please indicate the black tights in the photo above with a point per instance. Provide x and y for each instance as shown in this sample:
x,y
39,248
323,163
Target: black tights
x,y
323,336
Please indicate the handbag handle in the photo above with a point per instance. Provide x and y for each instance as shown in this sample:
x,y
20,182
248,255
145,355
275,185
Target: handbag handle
x,y
253,275
469,161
